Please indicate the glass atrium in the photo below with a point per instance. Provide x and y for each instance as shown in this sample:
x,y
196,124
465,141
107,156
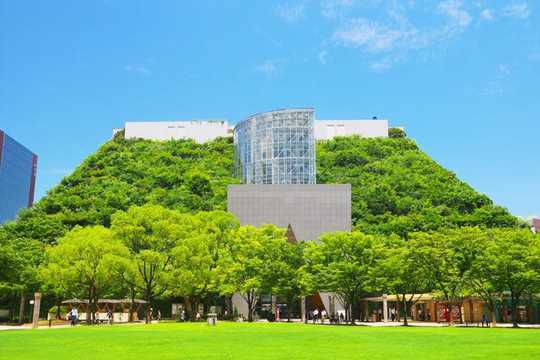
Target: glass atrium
x,y
277,147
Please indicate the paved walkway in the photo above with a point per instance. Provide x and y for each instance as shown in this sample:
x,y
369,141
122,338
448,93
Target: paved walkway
x,y
424,324
373,324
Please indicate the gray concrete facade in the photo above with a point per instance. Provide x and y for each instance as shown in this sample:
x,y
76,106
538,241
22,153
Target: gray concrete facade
x,y
310,209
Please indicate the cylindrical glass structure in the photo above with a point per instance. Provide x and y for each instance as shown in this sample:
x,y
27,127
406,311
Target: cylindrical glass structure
x,y
276,147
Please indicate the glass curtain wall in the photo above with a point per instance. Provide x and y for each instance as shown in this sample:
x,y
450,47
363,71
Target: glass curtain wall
x,y
276,147
17,177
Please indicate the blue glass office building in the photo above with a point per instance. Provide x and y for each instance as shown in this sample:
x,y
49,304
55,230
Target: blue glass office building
x,y
17,177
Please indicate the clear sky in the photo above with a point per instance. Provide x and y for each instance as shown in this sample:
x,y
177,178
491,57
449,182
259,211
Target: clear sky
x,y
461,76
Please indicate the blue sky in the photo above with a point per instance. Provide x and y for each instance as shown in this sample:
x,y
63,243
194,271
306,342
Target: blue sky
x,y
462,76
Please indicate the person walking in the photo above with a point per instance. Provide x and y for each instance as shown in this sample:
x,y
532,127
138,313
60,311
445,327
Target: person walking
x,y
110,316
73,315
484,320
158,316
315,315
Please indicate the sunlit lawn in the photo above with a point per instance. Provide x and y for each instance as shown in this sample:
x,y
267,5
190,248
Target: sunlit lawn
x,y
268,341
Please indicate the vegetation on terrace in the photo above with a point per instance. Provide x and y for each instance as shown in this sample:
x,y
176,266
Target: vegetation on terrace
x,y
395,186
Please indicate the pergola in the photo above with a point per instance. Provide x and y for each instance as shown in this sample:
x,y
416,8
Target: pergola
x,y
111,304
104,305
80,304
384,299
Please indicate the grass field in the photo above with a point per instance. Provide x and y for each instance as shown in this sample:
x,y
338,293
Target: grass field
x,y
270,341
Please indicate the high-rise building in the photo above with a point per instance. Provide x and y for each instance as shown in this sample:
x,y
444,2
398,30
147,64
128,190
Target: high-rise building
x,y
18,167
276,147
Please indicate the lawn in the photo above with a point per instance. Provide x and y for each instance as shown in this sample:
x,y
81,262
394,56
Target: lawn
x,y
270,341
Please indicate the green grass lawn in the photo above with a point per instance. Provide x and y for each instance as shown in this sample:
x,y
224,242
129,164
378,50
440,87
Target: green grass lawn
x,y
270,341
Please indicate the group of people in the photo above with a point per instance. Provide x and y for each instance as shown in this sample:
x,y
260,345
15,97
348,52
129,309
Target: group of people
x,y
73,317
183,316
485,320
320,316
150,314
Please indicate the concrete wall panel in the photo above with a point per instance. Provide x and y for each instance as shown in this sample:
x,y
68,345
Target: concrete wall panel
x,y
311,210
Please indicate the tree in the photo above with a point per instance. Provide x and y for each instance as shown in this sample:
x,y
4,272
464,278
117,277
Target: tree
x,y
343,263
78,263
150,233
196,258
398,273
395,133
513,263
479,277
449,257
19,261
284,273
246,268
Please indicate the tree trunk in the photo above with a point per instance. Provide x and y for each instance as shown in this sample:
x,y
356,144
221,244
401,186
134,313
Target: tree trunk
x,y
289,304
229,306
514,311
88,310
148,312
131,305
21,309
251,300
493,319
94,304
189,311
251,307
405,321
58,305
195,306
450,320
353,310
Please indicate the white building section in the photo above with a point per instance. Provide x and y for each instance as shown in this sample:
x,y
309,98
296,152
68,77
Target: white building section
x,y
199,130
329,129
202,131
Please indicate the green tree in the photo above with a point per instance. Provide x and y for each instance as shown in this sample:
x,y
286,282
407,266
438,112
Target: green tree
x,y
78,263
150,233
395,133
448,257
479,277
196,258
246,268
285,261
398,273
513,262
343,263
